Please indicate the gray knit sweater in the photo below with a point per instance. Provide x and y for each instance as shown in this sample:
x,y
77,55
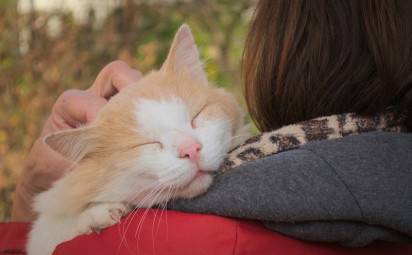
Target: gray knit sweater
x,y
352,190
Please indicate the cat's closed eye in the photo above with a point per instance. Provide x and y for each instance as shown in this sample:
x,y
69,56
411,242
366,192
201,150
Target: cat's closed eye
x,y
149,143
193,122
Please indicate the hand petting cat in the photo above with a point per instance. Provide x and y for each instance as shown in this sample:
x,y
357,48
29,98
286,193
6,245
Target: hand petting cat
x,y
73,108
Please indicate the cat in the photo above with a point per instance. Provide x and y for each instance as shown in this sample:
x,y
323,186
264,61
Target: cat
x,y
159,139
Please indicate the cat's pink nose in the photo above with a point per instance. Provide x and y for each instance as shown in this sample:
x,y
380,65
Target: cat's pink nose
x,y
191,150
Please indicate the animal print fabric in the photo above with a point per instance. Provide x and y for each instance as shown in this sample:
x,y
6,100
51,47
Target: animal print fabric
x,y
322,128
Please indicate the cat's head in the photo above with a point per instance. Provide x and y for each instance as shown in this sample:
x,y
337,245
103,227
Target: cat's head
x,y
168,131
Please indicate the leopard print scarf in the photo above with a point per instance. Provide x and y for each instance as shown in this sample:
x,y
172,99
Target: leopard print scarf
x,y
322,128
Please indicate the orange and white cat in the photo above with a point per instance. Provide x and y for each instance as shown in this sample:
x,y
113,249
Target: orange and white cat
x,y
156,140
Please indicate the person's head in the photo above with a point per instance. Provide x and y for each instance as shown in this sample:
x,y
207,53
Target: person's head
x,y
309,58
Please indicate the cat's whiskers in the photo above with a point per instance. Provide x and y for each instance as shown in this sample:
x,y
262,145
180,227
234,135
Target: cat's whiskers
x,y
152,189
141,221
135,212
172,194
161,192
169,195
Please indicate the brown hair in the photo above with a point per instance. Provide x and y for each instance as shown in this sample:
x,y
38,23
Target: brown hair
x,y
309,58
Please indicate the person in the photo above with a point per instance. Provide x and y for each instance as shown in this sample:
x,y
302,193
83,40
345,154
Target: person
x,y
43,166
302,60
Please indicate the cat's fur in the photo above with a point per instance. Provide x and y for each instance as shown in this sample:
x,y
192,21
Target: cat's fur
x,y
128,156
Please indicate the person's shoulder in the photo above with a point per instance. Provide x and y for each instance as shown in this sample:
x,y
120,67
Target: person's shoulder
x,y
370,142
361,151
367,152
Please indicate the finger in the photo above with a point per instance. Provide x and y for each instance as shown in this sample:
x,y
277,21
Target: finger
x,y
76,107
114,77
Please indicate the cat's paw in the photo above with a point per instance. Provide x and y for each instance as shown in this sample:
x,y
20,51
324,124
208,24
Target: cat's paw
x,y
100,216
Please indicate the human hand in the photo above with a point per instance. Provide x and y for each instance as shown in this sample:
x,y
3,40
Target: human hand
x,y
74,107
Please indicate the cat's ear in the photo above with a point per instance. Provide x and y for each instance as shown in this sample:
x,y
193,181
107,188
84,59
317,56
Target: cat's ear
x,y
73,144
184,56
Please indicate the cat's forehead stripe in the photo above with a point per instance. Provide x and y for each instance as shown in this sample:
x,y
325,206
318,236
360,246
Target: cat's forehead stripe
x,y
157,116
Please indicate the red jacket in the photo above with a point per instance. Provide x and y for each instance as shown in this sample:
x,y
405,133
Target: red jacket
x,y
177,233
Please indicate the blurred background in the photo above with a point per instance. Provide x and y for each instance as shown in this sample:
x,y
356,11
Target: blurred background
x,y
49,46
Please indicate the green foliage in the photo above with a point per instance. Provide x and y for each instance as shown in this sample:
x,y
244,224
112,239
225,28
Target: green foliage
x,y
37,65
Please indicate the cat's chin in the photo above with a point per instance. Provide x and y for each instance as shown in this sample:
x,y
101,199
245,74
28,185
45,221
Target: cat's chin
x,y
196,187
